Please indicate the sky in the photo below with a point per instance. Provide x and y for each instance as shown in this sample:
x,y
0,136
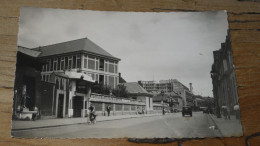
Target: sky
x,y
151,45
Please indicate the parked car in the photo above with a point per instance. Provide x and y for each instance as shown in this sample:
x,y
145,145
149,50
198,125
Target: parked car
x,y
186,110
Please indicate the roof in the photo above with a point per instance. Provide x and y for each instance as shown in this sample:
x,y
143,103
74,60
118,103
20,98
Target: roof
x,y
135,88
29,52
84,44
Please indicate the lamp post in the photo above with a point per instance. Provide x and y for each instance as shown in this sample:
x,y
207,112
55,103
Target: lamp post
x,y
162,93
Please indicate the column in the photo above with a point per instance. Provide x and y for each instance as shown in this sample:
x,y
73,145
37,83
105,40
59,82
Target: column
x,y
103,109
82,61
123,109
114,109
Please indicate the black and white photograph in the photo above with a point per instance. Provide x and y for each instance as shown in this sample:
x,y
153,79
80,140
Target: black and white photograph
x,y
112,74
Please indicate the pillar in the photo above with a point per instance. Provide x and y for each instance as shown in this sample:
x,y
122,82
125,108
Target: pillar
x,y
123,106
103,109
114,109
83,109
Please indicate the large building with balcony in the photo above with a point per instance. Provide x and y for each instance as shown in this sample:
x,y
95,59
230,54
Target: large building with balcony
x,y
72,67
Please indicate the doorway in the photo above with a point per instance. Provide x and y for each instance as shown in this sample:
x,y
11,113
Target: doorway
x,y
60,106
77,106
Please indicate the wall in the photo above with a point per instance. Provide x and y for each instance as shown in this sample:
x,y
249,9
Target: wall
x,y
244,21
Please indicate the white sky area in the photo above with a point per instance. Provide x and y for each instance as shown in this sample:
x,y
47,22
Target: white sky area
x,y
151,45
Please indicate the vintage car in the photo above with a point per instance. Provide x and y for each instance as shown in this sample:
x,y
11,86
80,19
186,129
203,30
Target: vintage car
x,y
186,110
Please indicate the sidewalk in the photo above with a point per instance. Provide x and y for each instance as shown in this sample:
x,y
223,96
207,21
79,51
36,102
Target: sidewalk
x,y
25,125
228,128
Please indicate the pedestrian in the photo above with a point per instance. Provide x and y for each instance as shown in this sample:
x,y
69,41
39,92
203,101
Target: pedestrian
x,y
92,115
228,112
108,110
143,110
224,110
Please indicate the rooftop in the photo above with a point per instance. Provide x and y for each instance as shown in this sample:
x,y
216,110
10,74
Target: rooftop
x,y
81,45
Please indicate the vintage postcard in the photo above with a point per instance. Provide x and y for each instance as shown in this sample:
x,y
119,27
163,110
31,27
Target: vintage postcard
x,y
100,74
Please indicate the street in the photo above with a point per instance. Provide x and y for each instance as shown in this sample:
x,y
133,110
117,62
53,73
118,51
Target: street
x,y
171,125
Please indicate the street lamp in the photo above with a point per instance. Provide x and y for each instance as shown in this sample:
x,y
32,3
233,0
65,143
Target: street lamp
x,y
162,93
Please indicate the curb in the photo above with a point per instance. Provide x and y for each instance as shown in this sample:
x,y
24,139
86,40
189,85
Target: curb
x,y
21,129
216,125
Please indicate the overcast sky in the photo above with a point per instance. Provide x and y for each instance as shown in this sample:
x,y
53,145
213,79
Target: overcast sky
x,y
152,46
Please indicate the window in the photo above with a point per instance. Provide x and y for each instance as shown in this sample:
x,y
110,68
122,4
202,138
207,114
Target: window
x,y
101,64
116,69
111,68
62,64
91,64
66,62
74,62
55,64
70,63
111,81
78,62
58,67
51,66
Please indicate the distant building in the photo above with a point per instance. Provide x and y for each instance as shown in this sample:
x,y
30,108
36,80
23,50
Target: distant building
x,y
223,77
171,86
138,93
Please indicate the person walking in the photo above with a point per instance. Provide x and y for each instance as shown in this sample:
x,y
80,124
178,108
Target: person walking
x,y
108,110
228,112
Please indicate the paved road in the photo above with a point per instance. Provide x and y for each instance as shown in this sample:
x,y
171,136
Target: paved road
x,y
170,125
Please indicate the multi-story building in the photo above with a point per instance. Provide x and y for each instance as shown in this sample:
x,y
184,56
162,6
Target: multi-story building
x,y
73,67
80,55
169,86
223,77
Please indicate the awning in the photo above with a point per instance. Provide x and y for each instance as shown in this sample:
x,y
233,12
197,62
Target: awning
x,y
76,75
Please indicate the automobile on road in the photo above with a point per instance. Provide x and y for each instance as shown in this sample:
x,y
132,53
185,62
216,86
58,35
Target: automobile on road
x,y
186,110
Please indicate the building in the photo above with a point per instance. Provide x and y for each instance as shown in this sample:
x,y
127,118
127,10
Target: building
x,y
171,86
80,55
67,71
27,88
223,78
137,92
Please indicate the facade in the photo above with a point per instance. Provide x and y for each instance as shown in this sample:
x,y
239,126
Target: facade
x,y
72,68
223,78
137,92
171,86
83,56
27,88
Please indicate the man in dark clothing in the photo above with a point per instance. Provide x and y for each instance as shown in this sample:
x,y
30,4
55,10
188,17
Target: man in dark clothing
x,y
92,114
108,110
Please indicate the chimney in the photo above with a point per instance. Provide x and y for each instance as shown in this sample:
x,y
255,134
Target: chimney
x,y
191,88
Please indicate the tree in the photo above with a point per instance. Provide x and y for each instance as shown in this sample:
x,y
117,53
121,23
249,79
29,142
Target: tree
x,y
120,91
